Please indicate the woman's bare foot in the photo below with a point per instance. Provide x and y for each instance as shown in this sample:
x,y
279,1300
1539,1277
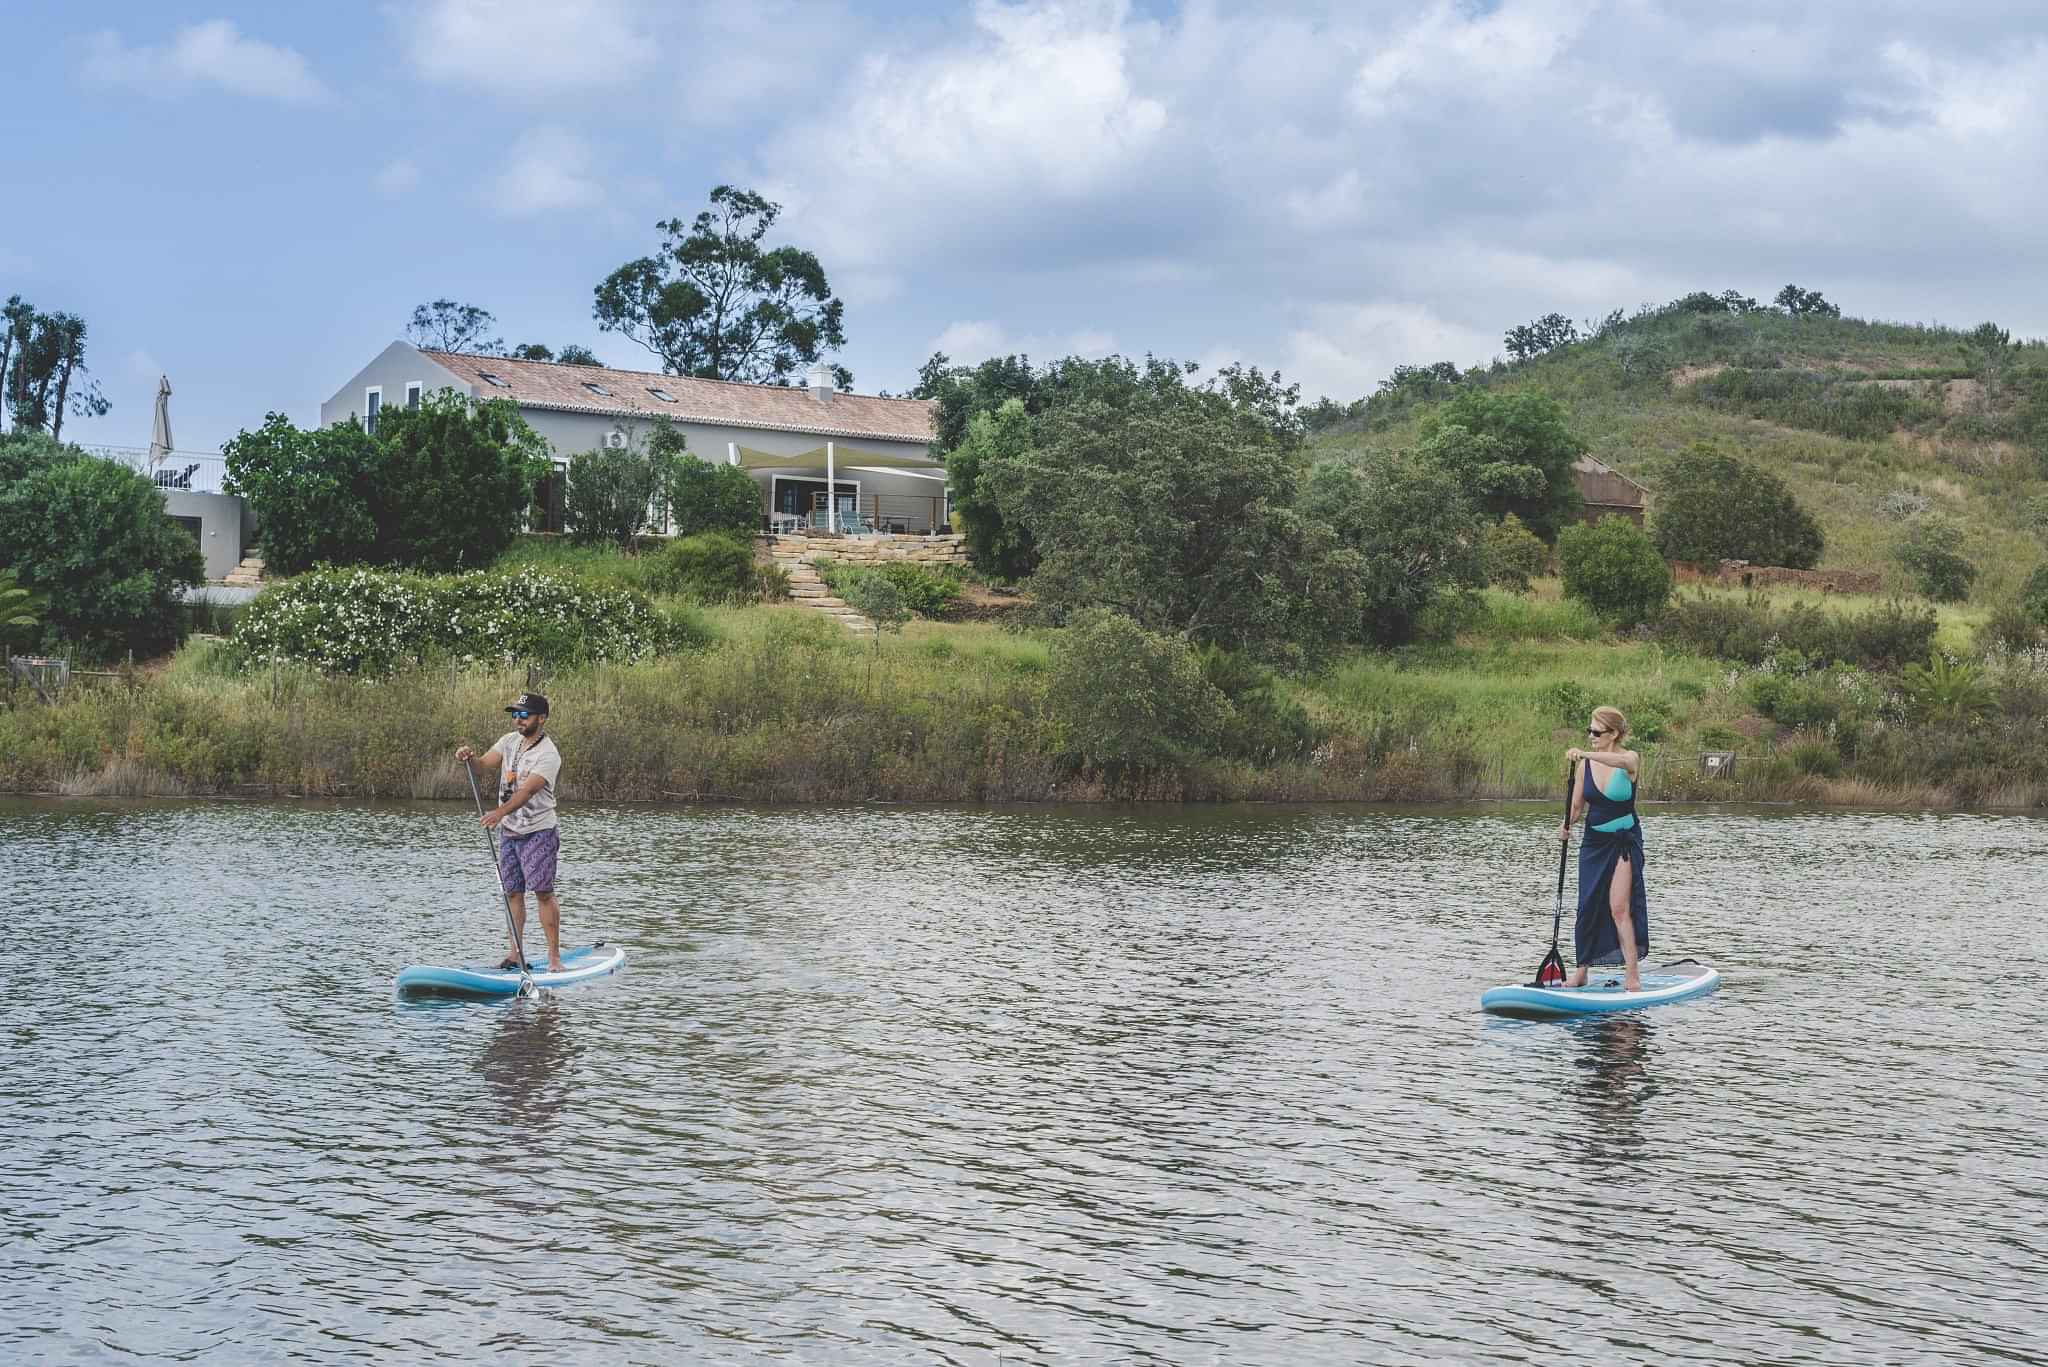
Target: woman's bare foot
x,y
1577,979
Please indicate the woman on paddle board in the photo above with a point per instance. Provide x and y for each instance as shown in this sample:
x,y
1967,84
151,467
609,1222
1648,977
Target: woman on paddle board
x,y
1613,924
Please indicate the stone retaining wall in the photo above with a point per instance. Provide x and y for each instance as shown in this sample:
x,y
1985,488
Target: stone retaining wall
x,y
868,550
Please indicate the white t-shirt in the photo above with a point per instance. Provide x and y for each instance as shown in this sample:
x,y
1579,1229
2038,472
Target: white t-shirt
x,y
538,814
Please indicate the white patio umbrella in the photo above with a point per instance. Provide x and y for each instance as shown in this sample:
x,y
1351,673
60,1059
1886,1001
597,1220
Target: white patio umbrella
x,y
160,431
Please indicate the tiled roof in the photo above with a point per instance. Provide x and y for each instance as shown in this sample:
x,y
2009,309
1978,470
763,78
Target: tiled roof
x,y
547,384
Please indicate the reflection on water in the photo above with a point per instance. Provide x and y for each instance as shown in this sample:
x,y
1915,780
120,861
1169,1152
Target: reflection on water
x,y
1023,1085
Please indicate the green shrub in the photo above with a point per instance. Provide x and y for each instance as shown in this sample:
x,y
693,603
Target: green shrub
x,y
1514,555
1932,552
1567,702
1130,700
1712,506
1267,726
311,491
1750,631
710,567
89,539
1614,569
703,497
925,591
609,495
2034,597
1817,757
361,621
1946,693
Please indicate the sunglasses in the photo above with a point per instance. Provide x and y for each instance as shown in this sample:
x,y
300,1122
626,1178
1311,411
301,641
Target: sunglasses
x,y
521,715
1591,730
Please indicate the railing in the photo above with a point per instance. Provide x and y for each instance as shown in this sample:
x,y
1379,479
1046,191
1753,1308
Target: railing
x,y
191,472
905,513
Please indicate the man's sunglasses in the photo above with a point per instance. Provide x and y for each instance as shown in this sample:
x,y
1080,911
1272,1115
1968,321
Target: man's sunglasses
x,y
520,714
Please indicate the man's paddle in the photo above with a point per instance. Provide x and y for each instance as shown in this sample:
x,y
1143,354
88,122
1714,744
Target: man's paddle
x,y
1551,970
527,987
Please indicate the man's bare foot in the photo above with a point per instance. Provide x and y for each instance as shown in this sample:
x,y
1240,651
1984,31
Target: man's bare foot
x,y
1631,983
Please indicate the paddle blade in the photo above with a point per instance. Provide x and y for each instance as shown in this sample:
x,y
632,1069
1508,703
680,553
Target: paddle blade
x,y
1550,972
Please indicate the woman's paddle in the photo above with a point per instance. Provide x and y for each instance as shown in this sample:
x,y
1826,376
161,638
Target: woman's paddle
x,y
1551,970
527,987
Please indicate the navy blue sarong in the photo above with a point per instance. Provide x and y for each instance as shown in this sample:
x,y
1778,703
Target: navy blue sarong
x,y
1595,941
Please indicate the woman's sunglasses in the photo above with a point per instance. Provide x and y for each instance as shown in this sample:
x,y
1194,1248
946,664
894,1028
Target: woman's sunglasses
x,y
1591,730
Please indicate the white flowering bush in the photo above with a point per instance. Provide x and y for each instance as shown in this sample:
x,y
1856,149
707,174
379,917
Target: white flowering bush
x,y
361,621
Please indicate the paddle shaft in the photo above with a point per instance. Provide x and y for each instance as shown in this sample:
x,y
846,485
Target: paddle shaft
x,y
505,896
1554,958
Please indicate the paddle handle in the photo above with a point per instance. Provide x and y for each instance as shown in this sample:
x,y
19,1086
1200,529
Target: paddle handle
x,y
505,896
1564,846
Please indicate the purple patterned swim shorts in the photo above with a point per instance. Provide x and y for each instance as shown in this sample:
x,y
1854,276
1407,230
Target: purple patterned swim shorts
x,y
528,861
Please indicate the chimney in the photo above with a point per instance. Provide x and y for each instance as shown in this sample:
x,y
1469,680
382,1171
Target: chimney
x,y
821,382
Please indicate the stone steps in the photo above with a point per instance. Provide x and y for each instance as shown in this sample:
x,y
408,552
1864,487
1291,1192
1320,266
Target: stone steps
x,y
247,575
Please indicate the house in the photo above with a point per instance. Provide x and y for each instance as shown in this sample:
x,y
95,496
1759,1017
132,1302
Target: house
x,y
1607,492
874,453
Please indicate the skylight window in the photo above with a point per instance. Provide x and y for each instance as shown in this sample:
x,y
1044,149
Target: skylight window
x,y
488,378
661,394
597,389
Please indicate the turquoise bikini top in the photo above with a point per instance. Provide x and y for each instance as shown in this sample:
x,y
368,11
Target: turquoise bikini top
x,y
1612,806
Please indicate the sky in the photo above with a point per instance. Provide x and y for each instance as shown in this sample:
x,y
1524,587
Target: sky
x,y
251,199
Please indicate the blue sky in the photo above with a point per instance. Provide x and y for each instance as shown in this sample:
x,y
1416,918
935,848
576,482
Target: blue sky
x,y
251,199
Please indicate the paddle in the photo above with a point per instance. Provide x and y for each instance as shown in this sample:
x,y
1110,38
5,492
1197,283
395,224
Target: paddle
x,y
1551,970
527,987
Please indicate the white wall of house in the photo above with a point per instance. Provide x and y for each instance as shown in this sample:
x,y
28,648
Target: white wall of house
x,y
392,375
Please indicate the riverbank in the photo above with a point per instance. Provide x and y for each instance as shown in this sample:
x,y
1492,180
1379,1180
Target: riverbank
x,y
782,707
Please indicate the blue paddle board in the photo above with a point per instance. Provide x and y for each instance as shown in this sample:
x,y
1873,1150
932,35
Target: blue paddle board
x,y
578,965
1602,993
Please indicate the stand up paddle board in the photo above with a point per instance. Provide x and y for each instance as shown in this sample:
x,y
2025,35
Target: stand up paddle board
x,y
578,965
1602,993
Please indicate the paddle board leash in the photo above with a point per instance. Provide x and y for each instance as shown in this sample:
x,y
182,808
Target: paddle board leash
x,y
1551,970
527,986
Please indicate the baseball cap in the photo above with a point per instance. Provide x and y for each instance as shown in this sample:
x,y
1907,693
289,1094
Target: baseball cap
x,y
530,702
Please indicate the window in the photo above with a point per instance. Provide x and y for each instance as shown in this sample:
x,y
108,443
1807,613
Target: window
x,y
661,394
412,394
597,389
373,403
488,378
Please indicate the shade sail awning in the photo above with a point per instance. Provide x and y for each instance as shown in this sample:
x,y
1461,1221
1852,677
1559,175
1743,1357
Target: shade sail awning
x,y
844,455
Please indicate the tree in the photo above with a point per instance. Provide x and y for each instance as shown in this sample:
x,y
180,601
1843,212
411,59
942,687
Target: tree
x,y
1000,548
1513,453
568,355
42,369
445,325
1932,552
703,497
1128,700
90,537
1173,507
714,303
453,480
612,495
1614,569
1514,555
1713,506
1530,340
1805,303
1403,532
312,492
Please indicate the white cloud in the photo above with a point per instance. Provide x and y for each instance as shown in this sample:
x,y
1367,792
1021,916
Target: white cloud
x,y
1345,350
213,53
972,341
550,170
1035,108
527,48
396,178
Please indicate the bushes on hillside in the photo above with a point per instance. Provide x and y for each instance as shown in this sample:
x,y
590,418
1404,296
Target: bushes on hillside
x,y
710,567
611,495
1932,553
361,621
1514,555
89,538
437,487
1750,630
703,497
1614,569
1514,452
1128,700
925,592
1712,506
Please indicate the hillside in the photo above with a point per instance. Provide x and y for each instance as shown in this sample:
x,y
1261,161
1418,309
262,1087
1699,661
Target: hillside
x,y
1869,422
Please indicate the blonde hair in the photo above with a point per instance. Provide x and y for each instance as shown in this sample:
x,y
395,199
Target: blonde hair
x,y
1610,719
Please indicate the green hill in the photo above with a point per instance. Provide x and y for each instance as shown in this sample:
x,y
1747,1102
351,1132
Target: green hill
x,y
1870,423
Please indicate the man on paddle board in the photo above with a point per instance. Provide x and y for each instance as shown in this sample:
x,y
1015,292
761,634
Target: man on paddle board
x,y
1613,924
525,819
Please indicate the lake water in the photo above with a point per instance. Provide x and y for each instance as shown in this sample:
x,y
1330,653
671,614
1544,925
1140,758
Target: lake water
x,y
895,1085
